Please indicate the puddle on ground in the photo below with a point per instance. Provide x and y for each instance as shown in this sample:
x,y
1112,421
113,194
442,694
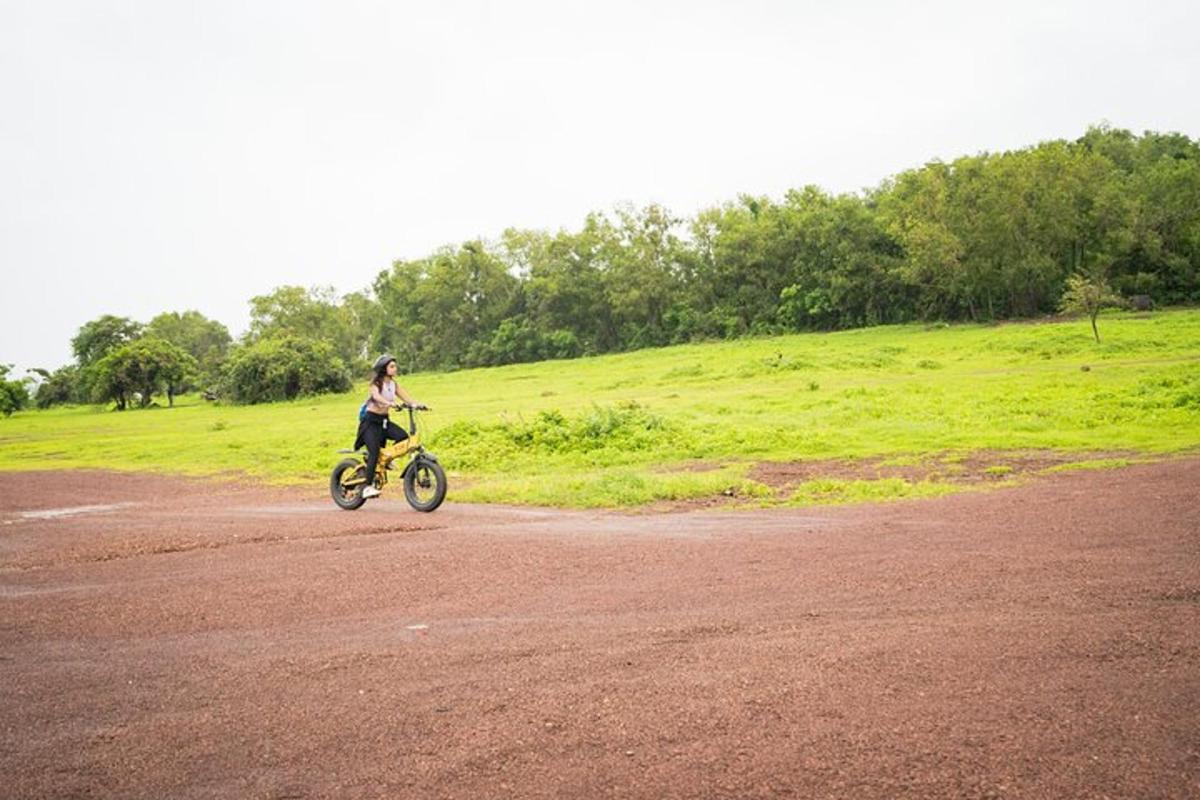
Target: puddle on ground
x,y
70,511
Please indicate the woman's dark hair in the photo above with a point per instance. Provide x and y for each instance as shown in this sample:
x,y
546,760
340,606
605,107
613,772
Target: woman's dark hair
x,y
381,365
380,377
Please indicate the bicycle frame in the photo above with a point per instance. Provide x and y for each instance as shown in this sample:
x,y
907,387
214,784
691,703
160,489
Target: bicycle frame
x,y
399,449
412,445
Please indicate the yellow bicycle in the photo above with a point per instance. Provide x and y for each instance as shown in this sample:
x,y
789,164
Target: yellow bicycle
x,y
423,477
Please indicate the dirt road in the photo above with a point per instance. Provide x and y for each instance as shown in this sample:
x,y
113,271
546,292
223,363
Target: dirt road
x,y
179,639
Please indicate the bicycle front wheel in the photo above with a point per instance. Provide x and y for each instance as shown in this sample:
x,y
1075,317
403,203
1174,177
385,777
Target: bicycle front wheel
x,y
425,485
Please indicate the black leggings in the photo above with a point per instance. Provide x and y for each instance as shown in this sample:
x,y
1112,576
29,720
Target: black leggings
x,y
378,430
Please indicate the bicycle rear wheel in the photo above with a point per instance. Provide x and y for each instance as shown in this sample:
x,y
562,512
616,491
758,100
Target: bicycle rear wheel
x,y
350,497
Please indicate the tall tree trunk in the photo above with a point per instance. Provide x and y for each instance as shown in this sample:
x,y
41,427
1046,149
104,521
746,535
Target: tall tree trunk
x,y
1095,331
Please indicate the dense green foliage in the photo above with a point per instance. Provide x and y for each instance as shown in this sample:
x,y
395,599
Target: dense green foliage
x,y
690,420
13,394
138,369
986,237
1070,225
284,367
63,386
205,340
315,313
97,338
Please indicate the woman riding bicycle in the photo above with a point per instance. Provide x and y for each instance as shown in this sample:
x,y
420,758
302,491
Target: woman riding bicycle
x,y
375,428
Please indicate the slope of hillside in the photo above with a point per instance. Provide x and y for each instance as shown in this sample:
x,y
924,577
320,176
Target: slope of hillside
x,y
873,413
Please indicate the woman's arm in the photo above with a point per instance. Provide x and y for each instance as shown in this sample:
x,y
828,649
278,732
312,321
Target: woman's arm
x,y
403,395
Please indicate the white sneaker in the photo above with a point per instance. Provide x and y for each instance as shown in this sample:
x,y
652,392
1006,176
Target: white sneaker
x,y
370,491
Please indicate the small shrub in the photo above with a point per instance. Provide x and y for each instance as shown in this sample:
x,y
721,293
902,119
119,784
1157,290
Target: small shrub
x,y
626,426
1189,398
13,394
690,371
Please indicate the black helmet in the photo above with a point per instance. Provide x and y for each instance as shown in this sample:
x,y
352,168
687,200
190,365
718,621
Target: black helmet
x,y
382,362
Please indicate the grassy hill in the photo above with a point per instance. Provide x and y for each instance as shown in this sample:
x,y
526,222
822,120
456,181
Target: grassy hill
x,y
875,413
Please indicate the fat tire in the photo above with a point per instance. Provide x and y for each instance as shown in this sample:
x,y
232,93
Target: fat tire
x,y
335,486
410,479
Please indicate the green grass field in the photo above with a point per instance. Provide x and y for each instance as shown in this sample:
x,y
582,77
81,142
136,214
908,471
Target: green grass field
x,y
879,413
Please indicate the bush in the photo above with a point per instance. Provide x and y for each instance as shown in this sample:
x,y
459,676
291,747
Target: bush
x,y
13,395
626,427
283,368
64,385
517,340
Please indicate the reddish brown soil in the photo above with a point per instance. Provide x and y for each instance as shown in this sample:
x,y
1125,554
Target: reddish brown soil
x,y
211,642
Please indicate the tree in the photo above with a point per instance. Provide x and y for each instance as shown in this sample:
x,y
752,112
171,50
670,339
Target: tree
x,y
1165,259
106,380
206,340
916,208
96,338
145,367
13,394
740,267
317,313
163,367
432,311
843,264
563,287
1087,294
283,368
640,253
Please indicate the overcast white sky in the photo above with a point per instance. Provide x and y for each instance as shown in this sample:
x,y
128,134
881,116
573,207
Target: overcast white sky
x,y
161,156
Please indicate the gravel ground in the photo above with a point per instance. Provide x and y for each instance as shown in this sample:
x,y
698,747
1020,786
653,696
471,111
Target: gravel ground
x,y
165,638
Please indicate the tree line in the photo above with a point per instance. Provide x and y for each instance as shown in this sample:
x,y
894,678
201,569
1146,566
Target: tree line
x,y
300,341
987,237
